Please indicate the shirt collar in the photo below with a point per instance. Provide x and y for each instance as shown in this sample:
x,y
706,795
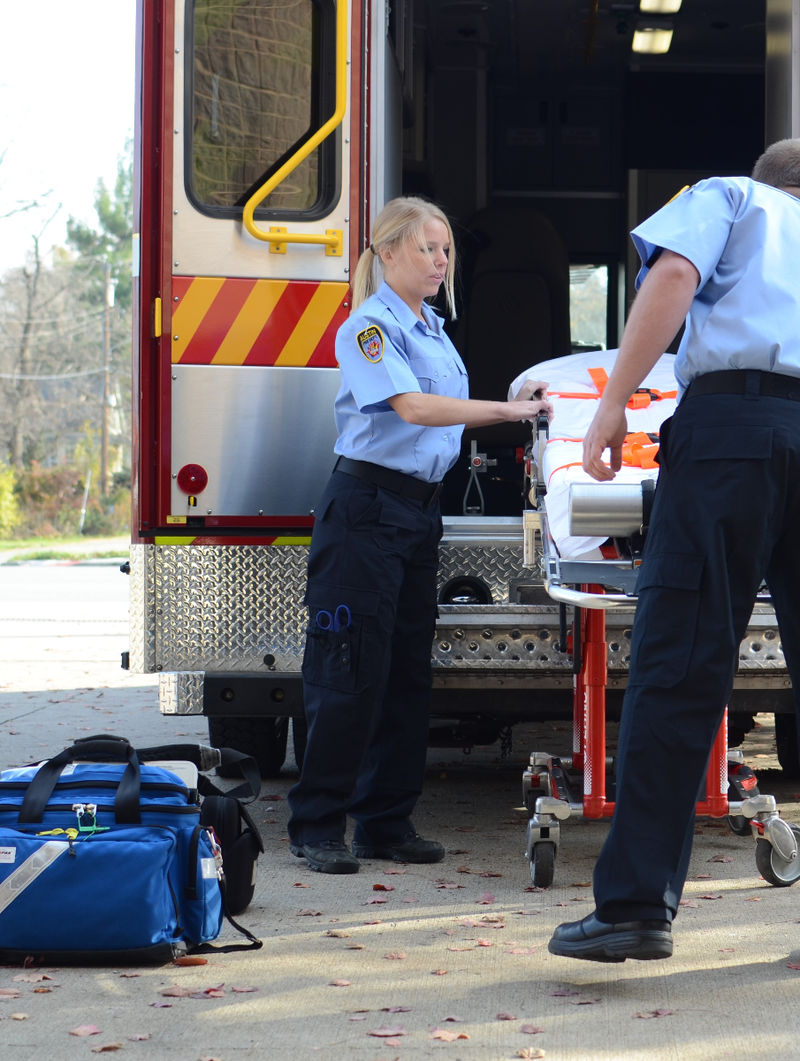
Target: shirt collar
x,y
406,317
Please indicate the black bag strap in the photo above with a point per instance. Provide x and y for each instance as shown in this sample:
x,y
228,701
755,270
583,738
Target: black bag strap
x,y
206,758
209,948
98,748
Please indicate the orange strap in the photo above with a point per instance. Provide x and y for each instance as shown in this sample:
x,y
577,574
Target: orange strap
x,y
638,451
641,399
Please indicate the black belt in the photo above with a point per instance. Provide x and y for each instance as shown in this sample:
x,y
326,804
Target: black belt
x,y
749,382
397,482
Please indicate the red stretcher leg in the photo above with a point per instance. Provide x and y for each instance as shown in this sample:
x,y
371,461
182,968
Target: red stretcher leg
x,y
716,801
595,677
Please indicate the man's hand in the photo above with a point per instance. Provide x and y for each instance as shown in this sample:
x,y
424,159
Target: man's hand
x,y
606,431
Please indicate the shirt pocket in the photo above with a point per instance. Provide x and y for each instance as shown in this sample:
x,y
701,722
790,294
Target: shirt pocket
x,y
341,659
666,628
736,442
428,371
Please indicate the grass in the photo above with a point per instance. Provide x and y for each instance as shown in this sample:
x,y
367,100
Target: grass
x,y
7,544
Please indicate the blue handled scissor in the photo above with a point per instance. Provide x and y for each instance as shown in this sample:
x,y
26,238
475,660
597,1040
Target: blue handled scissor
x,y
335,621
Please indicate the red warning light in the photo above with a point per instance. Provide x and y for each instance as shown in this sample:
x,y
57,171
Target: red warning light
x,y
192,478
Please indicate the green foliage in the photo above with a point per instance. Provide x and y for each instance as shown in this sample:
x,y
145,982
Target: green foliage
x,y
50,501
9,507
112,239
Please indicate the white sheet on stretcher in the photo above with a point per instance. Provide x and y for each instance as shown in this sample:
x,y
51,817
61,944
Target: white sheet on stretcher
x,y
562,459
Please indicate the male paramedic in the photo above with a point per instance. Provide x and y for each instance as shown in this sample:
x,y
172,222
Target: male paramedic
x,y
723,256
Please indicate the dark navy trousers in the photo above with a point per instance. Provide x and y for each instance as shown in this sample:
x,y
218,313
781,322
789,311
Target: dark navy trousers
x,y
368,710
726,515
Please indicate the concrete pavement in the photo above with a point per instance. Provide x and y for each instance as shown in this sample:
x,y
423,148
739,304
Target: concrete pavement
x,y
464,939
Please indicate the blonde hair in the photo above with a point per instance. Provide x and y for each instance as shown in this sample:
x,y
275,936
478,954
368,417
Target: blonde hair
x,y
401,220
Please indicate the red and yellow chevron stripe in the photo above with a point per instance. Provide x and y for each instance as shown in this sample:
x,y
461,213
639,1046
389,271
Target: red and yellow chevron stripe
x,y
232,321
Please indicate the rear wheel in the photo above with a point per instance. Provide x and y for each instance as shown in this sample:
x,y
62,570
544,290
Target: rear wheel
x,y
773,867
786,742
263,738
543,864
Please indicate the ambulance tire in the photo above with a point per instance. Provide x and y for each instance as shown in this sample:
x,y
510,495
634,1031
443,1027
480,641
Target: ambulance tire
x,y
786,743
299,740
263,738
543,864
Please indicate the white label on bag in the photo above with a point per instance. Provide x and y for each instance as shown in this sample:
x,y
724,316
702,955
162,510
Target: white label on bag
x,y
208,868
8,854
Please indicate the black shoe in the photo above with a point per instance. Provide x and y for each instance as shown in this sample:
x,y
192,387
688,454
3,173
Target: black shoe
x,y
327,856
411,849
596,941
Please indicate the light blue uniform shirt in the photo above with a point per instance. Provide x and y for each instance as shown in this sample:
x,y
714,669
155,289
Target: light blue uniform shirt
x,y
385,349
744,239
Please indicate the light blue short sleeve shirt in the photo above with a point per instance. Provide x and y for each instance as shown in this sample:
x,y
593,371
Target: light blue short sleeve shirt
x,y
385,349
743,237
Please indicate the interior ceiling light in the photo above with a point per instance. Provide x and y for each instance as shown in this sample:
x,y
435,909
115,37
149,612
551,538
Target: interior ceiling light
x,y
660,7
652,39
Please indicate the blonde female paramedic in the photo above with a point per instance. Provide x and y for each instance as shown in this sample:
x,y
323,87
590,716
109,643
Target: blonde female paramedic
x,y
371,591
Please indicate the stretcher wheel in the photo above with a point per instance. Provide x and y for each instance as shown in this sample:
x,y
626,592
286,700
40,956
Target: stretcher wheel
x,y
543,864
739,824
773,867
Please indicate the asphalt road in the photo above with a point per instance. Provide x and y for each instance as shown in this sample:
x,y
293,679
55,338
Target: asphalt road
x,y
449,948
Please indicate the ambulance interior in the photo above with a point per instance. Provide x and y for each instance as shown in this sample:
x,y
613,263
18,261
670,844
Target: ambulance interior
x,y
546,135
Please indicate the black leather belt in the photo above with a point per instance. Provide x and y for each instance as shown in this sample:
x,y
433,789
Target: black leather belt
x,y
749,382
397,482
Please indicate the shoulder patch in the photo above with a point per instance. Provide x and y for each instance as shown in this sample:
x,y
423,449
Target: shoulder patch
x,y
371,343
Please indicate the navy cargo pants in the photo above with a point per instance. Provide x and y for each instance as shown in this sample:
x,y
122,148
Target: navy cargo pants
x,y
726,515
367,710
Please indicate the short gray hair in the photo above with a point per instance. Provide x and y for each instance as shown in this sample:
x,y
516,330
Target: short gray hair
x,y
779,165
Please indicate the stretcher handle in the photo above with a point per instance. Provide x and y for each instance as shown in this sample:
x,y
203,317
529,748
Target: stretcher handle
x,y
126,802
598,601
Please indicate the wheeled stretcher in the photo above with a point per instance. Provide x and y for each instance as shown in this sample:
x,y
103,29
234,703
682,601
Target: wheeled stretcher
x,y
587,538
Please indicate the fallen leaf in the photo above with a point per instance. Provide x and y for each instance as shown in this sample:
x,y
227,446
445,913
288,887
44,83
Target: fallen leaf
x,y
383,887
463,869
702,876
161,1005
337,933
581,884
467,922
710,896
534,888
485,942
43,990
453,1018
584,1001
394,872
355,946
190,959
177,992
460,948
375,902
727,950
485,899
793,965
448,1037
720,858
753,899
491,874
439,972
106,1048
309,913
562,904
531,1029
31,978
340,983
386,1033
373,922
393,1042
128,976
300,885
395,955
688,904
528,913
85,1029
18,1016
465,829
243,990
463,850
530,1052
139,1037
396,1009
9,992
411,899
650,1014
357,1017
506,1016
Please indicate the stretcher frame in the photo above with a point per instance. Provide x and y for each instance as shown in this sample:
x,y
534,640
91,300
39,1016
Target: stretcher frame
x,y
590,588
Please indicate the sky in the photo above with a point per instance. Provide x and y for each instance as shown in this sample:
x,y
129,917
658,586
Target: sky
x,y
66,109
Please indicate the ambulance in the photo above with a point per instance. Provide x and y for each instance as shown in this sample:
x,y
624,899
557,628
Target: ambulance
x,y
269,133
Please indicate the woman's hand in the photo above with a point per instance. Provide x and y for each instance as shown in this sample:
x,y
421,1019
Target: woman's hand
x,y
528,410
531,389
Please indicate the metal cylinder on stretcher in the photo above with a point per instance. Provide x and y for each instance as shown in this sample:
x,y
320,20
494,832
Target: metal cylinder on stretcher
x,y
613,510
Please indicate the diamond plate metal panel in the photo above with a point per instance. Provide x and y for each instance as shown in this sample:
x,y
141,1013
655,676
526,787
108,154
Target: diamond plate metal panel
x,y
224,609
181,693
141,610
495,565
